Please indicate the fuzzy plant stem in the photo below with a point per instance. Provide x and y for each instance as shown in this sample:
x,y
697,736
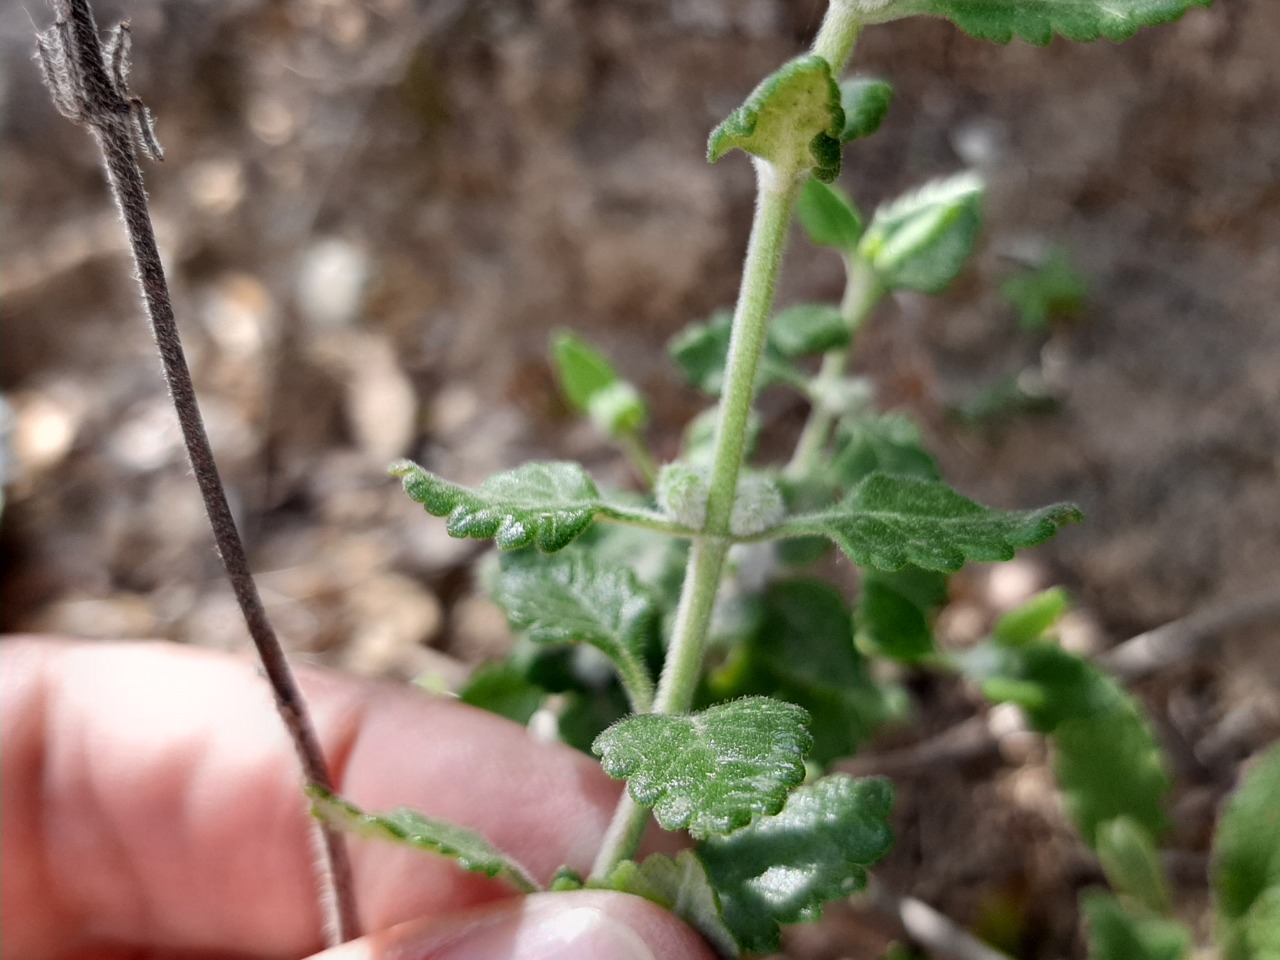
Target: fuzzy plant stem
x,y
89,85
683,665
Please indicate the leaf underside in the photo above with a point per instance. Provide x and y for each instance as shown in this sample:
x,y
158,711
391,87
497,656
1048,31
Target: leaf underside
x,y
793,119
888,522
712,771
573,599
409,828
547,504
1037,21
782,869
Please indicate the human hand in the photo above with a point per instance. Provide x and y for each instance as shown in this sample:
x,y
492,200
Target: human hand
x,y
152,808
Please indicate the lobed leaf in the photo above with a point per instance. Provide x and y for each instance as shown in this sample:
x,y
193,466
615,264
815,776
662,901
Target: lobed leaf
x,y
409,828
828,216
574,599
792,120
678,884
1037,21
547,504
887,522
1246,848
921,240
710,772
783,868
1120,933
865,102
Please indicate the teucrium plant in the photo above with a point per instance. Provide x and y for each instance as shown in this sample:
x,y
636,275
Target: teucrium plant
x,y
683,642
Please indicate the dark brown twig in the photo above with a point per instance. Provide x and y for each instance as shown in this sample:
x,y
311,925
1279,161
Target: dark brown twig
x,y
89,84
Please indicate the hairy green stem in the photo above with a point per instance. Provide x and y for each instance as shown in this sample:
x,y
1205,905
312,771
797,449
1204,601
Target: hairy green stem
x,y
683,665
840,29
862,292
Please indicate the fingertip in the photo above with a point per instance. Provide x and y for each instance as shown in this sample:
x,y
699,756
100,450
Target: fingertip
x,y
587,925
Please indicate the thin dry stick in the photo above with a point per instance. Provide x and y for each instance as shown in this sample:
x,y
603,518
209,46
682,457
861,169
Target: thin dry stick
x,y
89,84
1148,652
929,928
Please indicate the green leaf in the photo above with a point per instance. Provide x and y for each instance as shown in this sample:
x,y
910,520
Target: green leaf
x,y
1053,289
883,443
792,120
1256,936
1246,849
710,772
1036,21
921,240
502,687
547,504
887,522
865,102
573,599
1119,933
678,884
592,386
1028,622
1023,392
805,643
410,828
828,216
1109,766
808,328
1132,864
892,618
1105,756
700,349
782,869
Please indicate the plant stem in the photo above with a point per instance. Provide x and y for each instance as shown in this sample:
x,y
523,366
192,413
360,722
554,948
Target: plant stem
x,y
683,665
634,449
91,89
839,32
862,292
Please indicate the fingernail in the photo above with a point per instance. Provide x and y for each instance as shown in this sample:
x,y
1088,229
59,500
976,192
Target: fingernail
x,y
577,933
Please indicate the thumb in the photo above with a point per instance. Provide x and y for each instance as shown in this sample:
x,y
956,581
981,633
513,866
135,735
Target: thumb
x,y
587,925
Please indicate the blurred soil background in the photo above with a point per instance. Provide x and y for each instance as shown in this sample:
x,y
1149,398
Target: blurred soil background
x,y
374,214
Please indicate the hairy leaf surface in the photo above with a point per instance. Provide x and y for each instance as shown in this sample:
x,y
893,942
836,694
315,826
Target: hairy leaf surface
x,y
793,120
921,240
782,869
887,522
573,599
469,849
1037,21
547,504
710,772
